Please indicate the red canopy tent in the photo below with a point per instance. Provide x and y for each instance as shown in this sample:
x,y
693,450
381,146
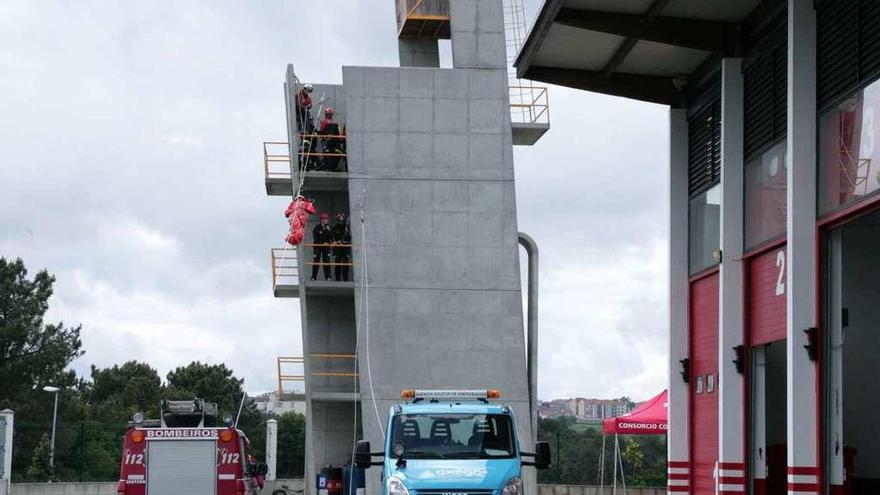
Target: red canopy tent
x,y
647,419
650,418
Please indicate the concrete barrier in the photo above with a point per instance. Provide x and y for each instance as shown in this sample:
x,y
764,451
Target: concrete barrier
x,y
63,488
295,484
595,490
105,488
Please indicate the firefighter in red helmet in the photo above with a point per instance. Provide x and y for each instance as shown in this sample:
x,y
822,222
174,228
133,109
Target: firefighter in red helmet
x,y
342,250
327,120
332,144
303,100
322,237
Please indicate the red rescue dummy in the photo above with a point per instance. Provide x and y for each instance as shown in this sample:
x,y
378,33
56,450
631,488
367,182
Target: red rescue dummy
x,y
297,213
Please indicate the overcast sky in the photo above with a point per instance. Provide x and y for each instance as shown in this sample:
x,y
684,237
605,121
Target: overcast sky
x,y
131,168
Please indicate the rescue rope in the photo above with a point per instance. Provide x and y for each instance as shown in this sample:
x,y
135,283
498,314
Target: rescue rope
x,y
363,200
305,154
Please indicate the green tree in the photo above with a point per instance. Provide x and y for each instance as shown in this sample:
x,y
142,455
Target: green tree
x,y
644,460
577,450
291,445
39,467
125,390
216,383
33,354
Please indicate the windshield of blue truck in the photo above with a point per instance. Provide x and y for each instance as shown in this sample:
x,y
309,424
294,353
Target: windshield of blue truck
x,y
452,436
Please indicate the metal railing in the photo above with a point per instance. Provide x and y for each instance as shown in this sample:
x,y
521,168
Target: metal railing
x,y
334,356
529,105
285,265
283,376
276,155
422,9
423,18
276,159
298,374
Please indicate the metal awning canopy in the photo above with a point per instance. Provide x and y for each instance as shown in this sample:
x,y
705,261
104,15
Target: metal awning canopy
x,y
641,49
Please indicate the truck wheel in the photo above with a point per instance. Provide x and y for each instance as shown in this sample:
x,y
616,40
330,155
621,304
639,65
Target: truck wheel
x,y
279,492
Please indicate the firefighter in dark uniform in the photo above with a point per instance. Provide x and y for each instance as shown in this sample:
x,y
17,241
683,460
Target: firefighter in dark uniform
x,y
342,252
332,145
322,237
303,103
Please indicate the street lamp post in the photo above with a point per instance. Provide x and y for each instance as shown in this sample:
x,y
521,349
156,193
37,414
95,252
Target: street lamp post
x,y
53,390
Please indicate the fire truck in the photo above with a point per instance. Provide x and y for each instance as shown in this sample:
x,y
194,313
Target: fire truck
x,y
185,452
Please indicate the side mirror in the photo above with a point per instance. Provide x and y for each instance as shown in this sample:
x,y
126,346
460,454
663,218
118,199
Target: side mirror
x,y
543,457
362,457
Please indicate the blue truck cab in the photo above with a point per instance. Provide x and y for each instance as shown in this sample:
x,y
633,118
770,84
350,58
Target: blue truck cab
x,y
451,442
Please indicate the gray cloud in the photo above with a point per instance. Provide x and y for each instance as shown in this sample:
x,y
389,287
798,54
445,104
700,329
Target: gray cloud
x,y
130,166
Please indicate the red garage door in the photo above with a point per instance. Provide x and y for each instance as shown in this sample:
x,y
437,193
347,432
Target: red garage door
x,y
767,297
704,383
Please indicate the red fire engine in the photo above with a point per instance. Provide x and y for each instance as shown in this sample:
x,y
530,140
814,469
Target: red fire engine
x,y
185,453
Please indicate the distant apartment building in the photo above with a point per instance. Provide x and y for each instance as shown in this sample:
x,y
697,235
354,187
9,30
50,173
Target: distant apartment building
x,y
272,404
585,408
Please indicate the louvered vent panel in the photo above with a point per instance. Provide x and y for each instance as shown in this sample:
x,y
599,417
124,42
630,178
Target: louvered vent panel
x,y
869,40
780,91
765,80
837,49
704,153
758,105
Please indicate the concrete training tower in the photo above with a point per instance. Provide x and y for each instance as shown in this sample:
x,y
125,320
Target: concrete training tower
x,y
427,183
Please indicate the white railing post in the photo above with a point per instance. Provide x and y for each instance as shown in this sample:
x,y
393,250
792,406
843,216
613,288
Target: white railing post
x,y
271,448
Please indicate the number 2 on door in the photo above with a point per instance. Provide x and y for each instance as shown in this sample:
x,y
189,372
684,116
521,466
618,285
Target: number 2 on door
x,y
780,279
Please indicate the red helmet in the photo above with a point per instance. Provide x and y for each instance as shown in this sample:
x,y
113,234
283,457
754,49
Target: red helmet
x,y
328,112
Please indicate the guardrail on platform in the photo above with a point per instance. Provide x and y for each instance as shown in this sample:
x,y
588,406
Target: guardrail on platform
x,y
276,154
285,268
285,265
276,159
285,363
529,105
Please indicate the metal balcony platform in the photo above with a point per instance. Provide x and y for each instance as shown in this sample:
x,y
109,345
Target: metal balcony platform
x,y
423,19
335,396
314,288
279,186
279,175
425,27
315,181
527,133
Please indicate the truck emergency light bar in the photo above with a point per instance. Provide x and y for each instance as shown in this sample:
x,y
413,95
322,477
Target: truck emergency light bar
x,y
450,394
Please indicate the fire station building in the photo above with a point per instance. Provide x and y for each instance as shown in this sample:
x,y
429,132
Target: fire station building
x,y
774,317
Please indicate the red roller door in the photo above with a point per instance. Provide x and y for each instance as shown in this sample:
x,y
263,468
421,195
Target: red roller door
x,y
704,383
767,284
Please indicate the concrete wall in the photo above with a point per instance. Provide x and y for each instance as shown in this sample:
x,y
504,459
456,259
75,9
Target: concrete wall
x,y
431,166
331,331
594,490
103,488
432,150
418,53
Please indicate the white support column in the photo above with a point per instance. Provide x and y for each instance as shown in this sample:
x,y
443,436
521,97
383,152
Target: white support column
x,y
678,452
271,449
802,291
6,426
731,308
